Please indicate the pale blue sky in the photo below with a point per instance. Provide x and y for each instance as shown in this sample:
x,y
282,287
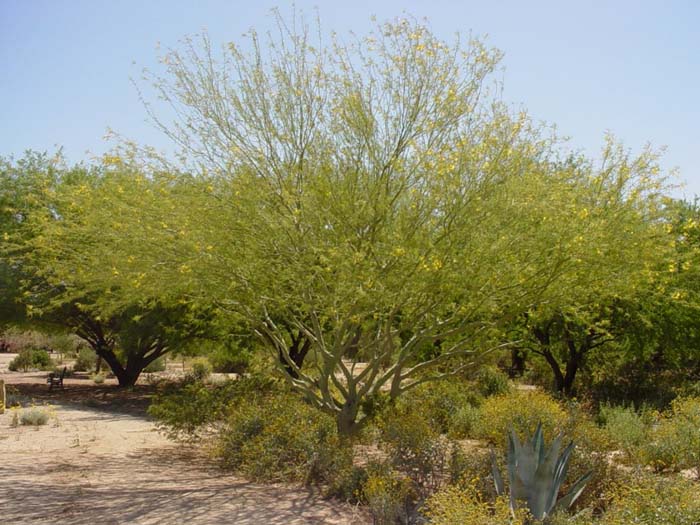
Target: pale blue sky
x,y
630,67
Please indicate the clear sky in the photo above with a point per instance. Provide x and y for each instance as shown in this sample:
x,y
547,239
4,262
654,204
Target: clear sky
x,y
629,67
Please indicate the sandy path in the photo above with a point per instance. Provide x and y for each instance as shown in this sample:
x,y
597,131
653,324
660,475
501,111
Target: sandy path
x,y
90,466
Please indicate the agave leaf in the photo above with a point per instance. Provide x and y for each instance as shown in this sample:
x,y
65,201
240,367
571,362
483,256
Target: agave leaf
x,y
574,492
544,489
563,465
497,478
538,443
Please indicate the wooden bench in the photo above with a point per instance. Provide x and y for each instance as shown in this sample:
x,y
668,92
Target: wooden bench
x,y
56,379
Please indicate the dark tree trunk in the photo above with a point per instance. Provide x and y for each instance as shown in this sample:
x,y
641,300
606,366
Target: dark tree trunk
x,y
296,352
517,363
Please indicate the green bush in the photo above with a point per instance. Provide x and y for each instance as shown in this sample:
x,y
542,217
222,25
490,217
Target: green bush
x,y
627,428
281,438
31,359
414,447
85,360
440,401
230,360
34,416
390,496
465,505
201,369
675,441
655,501
521,411
184,410
463,422
492,381
98,378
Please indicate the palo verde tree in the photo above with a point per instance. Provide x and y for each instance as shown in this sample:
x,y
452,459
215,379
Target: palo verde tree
x,y
618,255
65,282
370,199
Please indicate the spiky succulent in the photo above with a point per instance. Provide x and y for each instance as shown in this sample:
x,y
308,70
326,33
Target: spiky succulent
x,y
536,475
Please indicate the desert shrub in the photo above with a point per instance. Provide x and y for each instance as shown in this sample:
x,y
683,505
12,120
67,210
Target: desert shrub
x,y
471,467
440,401
201,369
414,447
675,441
389,495
461,505
591,454
281,438
155,366
654,501
627,428
98,378
520,411
492,381
29,359
184,410
34,416
85,360
463,422
230,360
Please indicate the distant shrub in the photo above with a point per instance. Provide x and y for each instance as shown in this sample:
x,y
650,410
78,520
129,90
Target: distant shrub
x,y
98,378
230,360
440,401
29,359
34,416
414,447
85,360
675,441
281,438
201,369
626,427
492,381
521,411
184,411
463,422
155,366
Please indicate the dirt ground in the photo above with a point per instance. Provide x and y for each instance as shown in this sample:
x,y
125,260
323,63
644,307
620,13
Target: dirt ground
x,y
100,460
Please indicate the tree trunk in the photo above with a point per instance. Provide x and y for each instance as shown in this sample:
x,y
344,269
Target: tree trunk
x,y
517,363
346,419
296,353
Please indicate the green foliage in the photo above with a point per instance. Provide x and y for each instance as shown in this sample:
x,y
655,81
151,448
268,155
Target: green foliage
x,y
229,360
201,370
440,401
184,411
627,428
492,381
280,438
85,360
654,501
519,411
34,416
464,421
414,448
98,378
29,359
390,496
675,442
536,475
462,505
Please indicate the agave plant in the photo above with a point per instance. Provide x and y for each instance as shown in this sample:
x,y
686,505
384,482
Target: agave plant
x,y
535,475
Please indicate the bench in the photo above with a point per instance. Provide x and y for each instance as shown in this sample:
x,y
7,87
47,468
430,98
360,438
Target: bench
x,y
56,379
